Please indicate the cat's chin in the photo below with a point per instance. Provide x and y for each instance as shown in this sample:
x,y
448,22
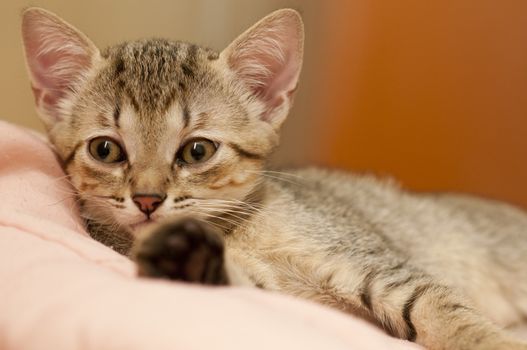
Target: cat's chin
x,y
141,225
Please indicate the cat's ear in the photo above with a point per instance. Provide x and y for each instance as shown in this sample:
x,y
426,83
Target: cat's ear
x,y
58,58
267,58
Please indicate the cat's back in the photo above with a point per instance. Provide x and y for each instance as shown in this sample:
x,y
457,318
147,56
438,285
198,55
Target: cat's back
x,y
408,219
316,187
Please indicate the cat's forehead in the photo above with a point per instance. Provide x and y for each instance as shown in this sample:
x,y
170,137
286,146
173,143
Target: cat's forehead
x,y
151,74
157,90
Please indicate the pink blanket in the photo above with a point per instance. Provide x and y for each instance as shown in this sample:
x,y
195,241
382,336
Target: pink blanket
x,y
59,289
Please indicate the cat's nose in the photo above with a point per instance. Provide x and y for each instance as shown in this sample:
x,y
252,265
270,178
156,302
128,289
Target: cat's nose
x,y
149,202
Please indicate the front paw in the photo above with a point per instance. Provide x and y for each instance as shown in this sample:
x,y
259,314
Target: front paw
x,y
185,251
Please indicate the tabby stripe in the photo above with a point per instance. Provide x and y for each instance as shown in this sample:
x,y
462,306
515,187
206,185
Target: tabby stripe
x,y
365,296
408,307
397,266
190,62
396,284
213,56
117,114
182,86
191,54
71,156
186,116
119,67
244,153
128,91
100,175
187,70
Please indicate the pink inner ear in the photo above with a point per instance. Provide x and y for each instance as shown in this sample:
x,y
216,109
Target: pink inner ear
x,y
268,59
45,86
282,82
54,74
57,57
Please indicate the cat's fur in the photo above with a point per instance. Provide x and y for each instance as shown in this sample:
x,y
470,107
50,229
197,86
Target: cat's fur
x,y
444,270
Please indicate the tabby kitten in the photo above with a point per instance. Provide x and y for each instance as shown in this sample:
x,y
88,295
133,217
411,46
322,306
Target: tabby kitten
x,y
166,143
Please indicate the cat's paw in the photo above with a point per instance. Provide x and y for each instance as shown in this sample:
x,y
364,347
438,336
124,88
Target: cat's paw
x,y
186,251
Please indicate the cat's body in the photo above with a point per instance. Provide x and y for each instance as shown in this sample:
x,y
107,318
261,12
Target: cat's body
x,y
166,143
321,224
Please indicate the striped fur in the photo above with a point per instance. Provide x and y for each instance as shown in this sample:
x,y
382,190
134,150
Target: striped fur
x,y
445,271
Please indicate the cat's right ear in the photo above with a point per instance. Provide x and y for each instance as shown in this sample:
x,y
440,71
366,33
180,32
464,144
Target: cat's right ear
x,y
58,58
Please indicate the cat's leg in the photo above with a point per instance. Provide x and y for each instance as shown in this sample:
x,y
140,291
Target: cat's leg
x,y
407,302
414,306
186,250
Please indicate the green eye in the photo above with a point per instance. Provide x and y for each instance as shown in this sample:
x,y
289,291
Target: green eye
x,y
196,151
106,150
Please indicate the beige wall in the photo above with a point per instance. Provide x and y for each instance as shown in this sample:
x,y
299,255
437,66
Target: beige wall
x,y
212,23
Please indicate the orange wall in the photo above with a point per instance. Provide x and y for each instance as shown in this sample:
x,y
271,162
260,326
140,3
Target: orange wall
x,y
432,92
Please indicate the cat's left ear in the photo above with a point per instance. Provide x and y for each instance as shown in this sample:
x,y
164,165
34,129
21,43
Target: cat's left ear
x,y
267,59
59,58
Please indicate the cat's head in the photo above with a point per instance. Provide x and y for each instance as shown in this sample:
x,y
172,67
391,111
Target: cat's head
x,y
155,128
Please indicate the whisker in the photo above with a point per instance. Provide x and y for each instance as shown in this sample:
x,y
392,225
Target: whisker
x,y
229,209
281,179
235,201
232,222
215,224
233,215
275,173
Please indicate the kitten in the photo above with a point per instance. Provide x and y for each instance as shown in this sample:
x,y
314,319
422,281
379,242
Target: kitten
x,y
166,144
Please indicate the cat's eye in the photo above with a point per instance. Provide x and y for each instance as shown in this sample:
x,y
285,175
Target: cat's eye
x,y
196,151
106,150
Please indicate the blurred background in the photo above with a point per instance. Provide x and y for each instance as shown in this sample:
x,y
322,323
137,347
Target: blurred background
x,y
432,93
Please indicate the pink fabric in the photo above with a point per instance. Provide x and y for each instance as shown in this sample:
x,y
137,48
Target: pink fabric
x,y
59,289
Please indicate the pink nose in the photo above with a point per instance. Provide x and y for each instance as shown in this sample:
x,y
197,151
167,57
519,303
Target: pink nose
x,y
148,203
